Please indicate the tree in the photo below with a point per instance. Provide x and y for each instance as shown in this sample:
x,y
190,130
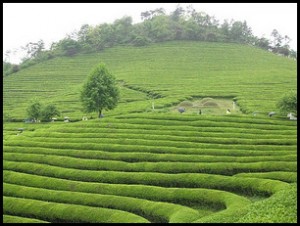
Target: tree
x,y
34,110
122,29
293,54
263,43
66,47
288,103
178,12
34,48
48,112
277,39
100,91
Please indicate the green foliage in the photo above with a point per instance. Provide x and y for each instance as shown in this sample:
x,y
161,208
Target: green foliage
x,y
279,208
48,112
290,177
288,103
100,91
164,167
140,41
16,219
160,167
66,212
208,64
213,200
227,168
9,68
34,110
66,47
157,26
151,210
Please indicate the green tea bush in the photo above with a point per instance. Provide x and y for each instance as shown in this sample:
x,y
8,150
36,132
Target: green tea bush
x,y
57,212
208,198
240,185
151,157
289,177
224,168
153,211
16,219
279,208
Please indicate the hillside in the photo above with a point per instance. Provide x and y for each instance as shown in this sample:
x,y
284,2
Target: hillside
x,y
172,71
139,164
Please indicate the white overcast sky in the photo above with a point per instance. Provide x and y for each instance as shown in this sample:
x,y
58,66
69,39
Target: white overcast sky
x,y
30,22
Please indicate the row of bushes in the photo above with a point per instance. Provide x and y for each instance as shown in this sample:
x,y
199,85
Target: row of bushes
x,y
239,185
113,124
148,157
161,140
289,177
222,168
83,132
249,144
16,219
257,120
211,149
156,212
207,198
192,118
206,123
66,212
280,208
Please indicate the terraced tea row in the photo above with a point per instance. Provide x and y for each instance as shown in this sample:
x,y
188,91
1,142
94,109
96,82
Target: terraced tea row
x,y
213,155
147,168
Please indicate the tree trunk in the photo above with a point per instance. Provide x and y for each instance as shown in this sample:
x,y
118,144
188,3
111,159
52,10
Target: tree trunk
x,y
99,116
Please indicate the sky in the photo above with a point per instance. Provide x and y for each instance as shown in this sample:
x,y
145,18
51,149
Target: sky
x,y
51,22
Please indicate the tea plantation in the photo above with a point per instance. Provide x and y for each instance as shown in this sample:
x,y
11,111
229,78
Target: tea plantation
x,y
143,165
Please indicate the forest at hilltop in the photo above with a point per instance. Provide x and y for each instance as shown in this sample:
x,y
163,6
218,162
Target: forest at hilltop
x,y
157,26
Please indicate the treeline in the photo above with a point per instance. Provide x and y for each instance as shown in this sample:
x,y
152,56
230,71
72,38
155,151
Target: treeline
x,y
156,26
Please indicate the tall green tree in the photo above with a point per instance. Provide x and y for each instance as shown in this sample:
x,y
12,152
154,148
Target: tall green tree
x,y
34,110
288,103
48,112
66,47
100,92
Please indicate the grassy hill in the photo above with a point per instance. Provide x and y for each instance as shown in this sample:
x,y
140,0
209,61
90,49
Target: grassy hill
x,y
174,71
142,165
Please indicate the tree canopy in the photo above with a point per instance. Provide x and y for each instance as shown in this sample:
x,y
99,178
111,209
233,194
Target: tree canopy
x,y
288,102
36,111
100,92
48,112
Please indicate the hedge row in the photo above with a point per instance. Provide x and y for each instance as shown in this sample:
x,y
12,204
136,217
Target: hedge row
x,y
16,219
148,157
222,168
88,143
157,212
227,150
156,124
114,124
81,132
70,213
280,208
219,118
239,185
84,137
209,199
289,177
205,123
